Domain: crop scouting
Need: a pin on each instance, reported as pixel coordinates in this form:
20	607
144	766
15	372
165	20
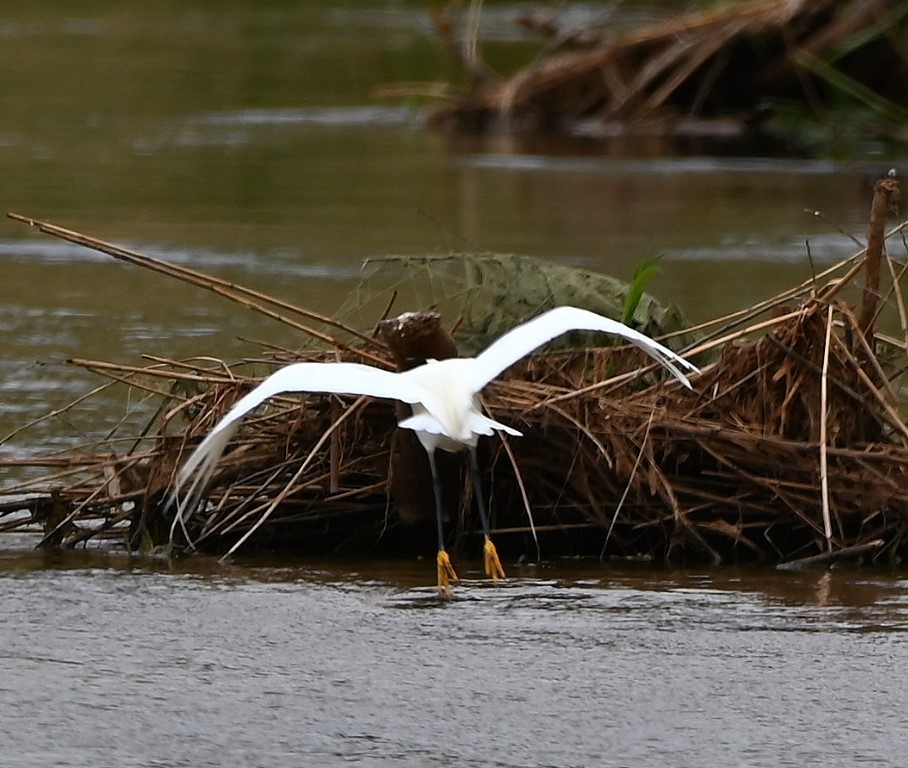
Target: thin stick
334	450
827	558
872	388
545	528
110	369
56	412
872	361
836	227
899	301
627	487
187	365
290	487
251	299
824	479
523	494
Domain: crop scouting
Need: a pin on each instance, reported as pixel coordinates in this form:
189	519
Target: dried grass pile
792	444
727	68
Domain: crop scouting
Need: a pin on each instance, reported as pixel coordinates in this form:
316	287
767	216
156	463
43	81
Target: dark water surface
245	139
109	662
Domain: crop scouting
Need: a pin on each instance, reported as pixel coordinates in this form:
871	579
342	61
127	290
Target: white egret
443	394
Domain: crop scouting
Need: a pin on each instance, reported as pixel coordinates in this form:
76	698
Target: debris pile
723	71
792	444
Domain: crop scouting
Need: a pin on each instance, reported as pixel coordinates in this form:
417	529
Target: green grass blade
645	272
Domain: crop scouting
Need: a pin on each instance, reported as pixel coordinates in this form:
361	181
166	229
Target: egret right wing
522	340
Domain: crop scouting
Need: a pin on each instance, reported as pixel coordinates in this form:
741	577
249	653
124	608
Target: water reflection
847	595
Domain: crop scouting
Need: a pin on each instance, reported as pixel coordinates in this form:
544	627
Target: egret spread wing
523	339
337	378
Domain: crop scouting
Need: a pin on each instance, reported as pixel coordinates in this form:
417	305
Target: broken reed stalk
251	299
824	467
899	300
886	193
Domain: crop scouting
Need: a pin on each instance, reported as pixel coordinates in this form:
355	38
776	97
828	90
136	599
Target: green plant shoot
645	272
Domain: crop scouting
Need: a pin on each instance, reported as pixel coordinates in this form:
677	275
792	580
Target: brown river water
247	140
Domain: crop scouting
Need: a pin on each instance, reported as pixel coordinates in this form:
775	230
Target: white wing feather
523	339
336	378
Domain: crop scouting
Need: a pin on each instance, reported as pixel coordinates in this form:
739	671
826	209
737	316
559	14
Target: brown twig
251	299
885	199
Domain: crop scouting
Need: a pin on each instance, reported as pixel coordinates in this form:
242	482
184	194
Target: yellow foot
445	573
493	564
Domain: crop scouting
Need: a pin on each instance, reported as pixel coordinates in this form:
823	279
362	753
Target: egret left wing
337	378
523	339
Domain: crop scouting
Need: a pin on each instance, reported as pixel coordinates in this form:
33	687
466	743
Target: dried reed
791	446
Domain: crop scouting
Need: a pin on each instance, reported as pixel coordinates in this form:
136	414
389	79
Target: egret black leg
492	563
446	572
